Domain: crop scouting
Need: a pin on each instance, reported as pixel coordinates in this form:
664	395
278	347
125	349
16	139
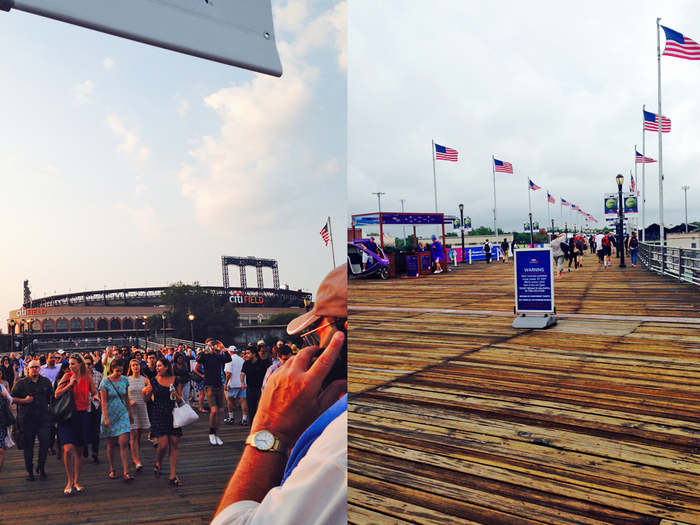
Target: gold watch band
277	445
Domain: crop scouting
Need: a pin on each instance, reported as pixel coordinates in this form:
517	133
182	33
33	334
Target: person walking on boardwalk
486	250
633	248
437	253
116	417
76	433
137	383
95	411
504	250
606	243
32	395
5	440
214	358
558	254
165	390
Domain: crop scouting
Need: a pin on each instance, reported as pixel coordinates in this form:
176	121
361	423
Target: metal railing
681	263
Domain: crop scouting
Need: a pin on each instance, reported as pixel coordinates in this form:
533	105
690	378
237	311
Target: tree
214	316
481	230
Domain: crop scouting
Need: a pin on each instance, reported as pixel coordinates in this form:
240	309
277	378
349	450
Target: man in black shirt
213	359
252	375
32	394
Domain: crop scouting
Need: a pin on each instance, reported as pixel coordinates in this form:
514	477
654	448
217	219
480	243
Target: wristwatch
266	442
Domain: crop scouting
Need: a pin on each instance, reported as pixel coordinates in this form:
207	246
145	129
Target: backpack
487	248
606	241
565	248
634	242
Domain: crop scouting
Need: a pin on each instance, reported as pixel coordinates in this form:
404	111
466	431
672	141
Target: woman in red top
76	432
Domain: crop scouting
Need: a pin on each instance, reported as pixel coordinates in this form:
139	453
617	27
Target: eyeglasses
30	367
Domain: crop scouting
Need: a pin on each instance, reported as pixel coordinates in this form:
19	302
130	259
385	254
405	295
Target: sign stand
534	288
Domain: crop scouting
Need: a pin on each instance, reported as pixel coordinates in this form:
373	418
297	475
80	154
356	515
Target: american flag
574	207
503	167
633	186
651	122
443	153
564	203
680	46
550	198
641	159
533	186
325	233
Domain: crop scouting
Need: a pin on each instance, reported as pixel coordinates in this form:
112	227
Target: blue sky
125	165
555	88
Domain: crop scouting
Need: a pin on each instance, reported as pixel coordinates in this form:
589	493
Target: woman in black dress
8	372
164	389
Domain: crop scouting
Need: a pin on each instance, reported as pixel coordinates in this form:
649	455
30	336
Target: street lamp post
685	190
12	335
145	330
620	217
191	318
164	317
550	237
461	226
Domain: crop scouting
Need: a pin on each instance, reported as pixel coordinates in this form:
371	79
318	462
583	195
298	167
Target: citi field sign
24	312
241	298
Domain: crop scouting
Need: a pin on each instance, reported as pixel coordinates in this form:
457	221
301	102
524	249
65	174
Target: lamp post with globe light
620	218
191	318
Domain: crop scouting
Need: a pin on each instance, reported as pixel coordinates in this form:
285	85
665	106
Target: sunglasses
311	338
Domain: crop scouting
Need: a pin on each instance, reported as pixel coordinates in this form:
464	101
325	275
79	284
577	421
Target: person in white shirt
234	388
303	408
50	370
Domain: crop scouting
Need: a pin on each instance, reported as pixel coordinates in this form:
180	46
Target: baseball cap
261	343
331	301
61	351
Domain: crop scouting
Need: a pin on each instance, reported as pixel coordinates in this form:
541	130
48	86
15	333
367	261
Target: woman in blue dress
116	416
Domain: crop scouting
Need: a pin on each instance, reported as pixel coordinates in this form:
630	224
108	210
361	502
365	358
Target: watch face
264	440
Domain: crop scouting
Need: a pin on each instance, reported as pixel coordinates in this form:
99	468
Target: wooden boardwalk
204	470
456	417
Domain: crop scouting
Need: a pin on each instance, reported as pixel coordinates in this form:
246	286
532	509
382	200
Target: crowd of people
122	394
293	468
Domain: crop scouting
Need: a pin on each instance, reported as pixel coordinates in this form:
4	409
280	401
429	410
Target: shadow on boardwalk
456	417
204	470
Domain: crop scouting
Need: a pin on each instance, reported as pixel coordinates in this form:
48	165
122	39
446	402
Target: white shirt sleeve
315	493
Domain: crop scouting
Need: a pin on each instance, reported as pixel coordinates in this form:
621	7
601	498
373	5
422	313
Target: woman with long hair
165	390
181	369
116	416
8	372
75	434
137	383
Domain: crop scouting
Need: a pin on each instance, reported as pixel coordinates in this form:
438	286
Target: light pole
12	335
620	217
685	190
164	317
461	226
404	228
191	318
145	331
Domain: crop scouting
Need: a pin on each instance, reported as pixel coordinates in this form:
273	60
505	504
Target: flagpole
561	212
644	188
661	157
495	208
330	234
434	176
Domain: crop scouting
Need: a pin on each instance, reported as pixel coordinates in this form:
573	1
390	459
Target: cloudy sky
127	165
555	88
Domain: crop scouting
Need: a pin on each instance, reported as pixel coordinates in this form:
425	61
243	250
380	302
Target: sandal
176	482
139	467
113	474
156	470
128	477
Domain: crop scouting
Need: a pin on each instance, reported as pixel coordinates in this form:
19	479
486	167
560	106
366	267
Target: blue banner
534	278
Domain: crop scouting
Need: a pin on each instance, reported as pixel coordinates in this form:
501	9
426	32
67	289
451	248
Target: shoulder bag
10	419
183	414
63	408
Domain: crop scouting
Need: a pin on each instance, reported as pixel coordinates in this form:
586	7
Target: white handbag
183	415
